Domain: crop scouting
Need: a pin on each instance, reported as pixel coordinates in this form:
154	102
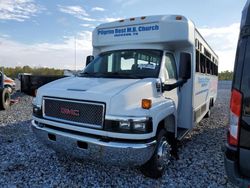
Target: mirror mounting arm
169	87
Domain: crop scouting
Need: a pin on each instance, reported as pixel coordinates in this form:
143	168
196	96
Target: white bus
149	82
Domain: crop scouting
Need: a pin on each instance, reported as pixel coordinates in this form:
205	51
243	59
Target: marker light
121	20
178	17
146	103
143	17
132	19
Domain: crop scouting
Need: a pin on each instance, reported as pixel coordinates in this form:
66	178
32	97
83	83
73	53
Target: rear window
245	82
239	63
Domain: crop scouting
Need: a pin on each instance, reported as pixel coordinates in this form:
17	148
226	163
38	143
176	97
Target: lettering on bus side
106	32
128	31
148	28
203	81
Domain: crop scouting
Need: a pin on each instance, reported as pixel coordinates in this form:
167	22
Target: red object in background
14	101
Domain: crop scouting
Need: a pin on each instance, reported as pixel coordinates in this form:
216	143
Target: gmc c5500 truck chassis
149	81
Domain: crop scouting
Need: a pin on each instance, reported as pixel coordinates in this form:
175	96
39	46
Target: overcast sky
42	33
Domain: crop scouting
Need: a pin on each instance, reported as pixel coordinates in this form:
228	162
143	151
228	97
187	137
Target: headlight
37	111
129	126
125	125
138	126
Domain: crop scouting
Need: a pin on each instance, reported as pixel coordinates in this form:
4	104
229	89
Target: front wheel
10	89
155	167
4	99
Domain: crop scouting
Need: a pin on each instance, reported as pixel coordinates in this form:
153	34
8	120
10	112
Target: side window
126	64
170	66
238	66
197	61
203	63
208	66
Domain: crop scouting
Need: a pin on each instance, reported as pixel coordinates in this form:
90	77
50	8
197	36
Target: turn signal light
235	103
235	113
146	103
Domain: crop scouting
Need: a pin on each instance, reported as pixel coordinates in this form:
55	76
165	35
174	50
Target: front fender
161	111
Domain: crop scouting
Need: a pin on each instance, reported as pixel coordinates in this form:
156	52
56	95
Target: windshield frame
126	73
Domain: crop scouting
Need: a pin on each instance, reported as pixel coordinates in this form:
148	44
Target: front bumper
231	167
94	149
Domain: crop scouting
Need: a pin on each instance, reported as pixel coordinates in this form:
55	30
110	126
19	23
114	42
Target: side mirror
89	59
185	66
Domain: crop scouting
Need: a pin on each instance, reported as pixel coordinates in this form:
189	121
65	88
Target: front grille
74	112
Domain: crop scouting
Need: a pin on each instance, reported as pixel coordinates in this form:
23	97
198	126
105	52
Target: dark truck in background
237	150
30	83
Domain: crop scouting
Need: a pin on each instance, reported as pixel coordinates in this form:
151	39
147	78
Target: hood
85	88
121	96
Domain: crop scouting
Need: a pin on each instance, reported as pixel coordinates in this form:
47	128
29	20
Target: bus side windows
206	65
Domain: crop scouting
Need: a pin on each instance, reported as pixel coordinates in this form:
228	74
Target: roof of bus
143	20
112	32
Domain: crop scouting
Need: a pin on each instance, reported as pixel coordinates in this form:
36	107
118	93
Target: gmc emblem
71	112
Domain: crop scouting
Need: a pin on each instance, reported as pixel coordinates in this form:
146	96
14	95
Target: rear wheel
4	99
155	167
208	114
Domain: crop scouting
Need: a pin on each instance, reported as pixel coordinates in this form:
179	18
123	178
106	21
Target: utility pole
75	55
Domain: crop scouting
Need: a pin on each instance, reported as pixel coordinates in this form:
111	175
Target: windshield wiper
90	74
110	75
121	75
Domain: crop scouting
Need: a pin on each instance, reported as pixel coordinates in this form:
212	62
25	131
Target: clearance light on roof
178	17
143	17
132	19
121	20
235	112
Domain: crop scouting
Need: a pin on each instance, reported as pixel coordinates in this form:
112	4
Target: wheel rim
163	153
6	99
9	89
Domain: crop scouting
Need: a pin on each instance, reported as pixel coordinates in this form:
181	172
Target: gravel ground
25	162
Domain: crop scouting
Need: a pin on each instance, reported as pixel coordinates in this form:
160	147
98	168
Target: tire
155	167
208	114
11	91
4	99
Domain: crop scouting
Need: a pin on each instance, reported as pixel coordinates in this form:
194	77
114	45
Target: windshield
125	64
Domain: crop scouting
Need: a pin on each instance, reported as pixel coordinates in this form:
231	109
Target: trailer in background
30	83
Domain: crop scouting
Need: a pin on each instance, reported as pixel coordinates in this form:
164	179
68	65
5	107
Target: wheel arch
168	123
